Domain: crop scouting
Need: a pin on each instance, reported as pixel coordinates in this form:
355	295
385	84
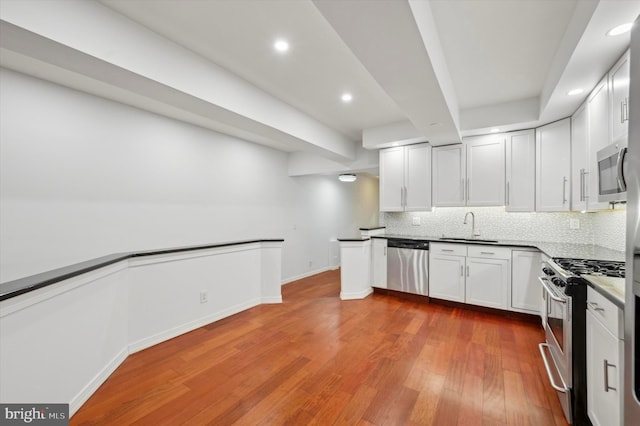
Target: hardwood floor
317	360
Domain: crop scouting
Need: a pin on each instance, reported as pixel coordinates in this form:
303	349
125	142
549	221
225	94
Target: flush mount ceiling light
575	92
346	97
281	45
620	29
347	177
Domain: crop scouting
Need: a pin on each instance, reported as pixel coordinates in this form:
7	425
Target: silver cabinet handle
446	250
564	189
487	252
562	388
468	190
622	111
581	184
385	251
607	388
467	270
507	193
461	271
626	109
594	306
462	192
549	292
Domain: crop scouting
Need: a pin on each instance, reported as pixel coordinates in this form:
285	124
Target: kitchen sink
468	240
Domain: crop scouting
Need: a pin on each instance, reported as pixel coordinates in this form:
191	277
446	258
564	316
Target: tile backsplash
603	228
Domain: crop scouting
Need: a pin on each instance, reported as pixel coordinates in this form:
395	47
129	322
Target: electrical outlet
204	296
310	263
416	220
574	223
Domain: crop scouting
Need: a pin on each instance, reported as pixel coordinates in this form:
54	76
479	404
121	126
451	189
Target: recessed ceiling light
346	97
495	130
281	45
620	29
574	92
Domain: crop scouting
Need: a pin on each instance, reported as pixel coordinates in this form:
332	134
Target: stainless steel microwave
611	182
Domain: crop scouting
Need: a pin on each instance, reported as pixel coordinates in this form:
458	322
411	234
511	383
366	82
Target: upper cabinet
520	171
485	170
449	176
598	112
619	86
470	174
579	156
553	166
405	178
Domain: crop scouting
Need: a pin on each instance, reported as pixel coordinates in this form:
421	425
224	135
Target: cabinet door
485	170
446	277
391	179
379	263
418	177
619	81
604	374
579	167
520	171
488	282
448	176
598	111
525	288
553	164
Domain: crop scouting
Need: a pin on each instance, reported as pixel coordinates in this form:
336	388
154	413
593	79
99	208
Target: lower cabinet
479	275
525	289
446	276
379	263
604	361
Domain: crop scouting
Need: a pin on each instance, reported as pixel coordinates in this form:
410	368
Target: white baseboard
93	385
307	274
271	300
190	326
356	295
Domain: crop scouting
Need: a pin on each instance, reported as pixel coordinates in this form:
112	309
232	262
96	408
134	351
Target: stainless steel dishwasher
408	266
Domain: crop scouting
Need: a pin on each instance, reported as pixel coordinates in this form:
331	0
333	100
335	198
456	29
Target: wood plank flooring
317	360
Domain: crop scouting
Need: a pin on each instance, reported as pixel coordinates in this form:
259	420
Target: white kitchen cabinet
525	288
449	175
579	155
604	361
599	137
405	178
619	85
470	174
553	166
520	171
478	275
485	170
447	268
379	263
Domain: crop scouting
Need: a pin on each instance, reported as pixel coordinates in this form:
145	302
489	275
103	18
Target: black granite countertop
24	285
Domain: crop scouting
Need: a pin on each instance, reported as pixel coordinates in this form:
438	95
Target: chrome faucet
473	224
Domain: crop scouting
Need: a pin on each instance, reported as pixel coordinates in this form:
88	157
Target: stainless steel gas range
564	321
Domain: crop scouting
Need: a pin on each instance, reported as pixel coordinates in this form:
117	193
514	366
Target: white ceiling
445	68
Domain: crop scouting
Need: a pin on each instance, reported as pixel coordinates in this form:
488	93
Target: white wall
82	176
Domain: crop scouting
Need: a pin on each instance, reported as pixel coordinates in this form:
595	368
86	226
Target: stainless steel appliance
632	288
564	349
612	184
408	266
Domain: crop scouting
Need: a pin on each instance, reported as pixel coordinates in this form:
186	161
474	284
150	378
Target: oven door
556	351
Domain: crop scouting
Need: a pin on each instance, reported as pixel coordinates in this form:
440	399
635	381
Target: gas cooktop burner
591	267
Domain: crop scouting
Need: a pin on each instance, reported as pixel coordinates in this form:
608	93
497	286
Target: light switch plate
416	220
574	223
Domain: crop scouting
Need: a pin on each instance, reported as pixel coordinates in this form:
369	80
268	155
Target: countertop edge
30	283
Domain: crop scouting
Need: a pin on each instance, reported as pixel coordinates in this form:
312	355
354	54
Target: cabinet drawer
490	252
451	249
606	312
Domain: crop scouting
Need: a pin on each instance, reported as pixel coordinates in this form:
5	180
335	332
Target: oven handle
562	388
548	290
